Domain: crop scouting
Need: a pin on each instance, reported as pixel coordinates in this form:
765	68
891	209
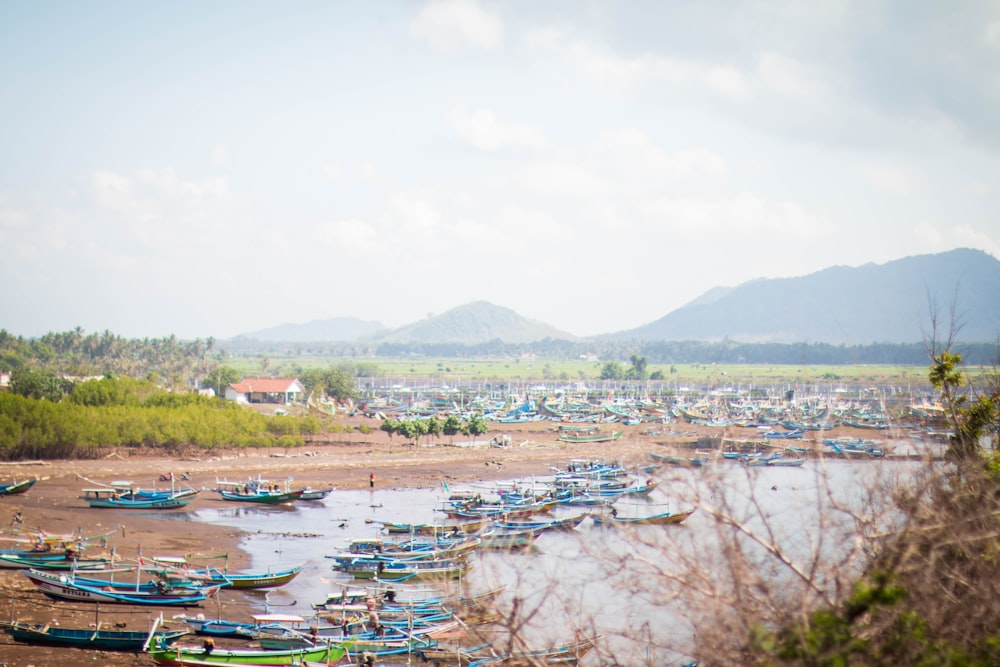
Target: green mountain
476	322
874	303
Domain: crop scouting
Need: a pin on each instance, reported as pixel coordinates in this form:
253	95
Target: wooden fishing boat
663	518
213	576
63	586
686	461
565	654
567	523
14	488
388	598
600	437
90	638
402	571
124	495
786	462
485	655
181	656
509	539
434	528
314	494
250	580
257	490
60	561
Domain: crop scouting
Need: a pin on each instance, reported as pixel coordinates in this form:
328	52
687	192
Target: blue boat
89	638
123	495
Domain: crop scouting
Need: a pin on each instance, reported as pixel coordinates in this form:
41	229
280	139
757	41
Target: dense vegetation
131	413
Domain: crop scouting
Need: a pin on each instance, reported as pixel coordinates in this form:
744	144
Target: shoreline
53	504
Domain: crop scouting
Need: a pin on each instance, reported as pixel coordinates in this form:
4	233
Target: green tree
477	426
612	370
638	371
32	382
433	427
391	428
452	425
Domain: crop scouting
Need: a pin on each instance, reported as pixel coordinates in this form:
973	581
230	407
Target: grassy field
552	371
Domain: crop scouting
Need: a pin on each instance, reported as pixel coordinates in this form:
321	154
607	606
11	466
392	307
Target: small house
266	390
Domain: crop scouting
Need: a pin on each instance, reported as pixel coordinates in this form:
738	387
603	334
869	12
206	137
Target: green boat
182	656
600	437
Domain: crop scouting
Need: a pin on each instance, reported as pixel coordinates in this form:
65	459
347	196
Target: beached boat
14	488
187	656
60	560
124	495
486	656
402	571
97	638
63	586
663	518
256	490
687	461
213	576
314	494
786	463
458	527
496	538
599	437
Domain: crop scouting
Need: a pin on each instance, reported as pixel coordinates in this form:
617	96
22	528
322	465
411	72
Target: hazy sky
213	167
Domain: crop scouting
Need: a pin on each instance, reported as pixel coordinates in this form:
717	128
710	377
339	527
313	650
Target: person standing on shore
371	480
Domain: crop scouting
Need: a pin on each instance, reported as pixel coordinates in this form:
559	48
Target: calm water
572	579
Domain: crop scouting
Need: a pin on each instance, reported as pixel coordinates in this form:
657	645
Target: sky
208	168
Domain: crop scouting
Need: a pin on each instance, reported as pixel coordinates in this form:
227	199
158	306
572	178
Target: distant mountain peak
473	323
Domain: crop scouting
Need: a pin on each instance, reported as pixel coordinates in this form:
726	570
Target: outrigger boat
61	561
181	656
63	586
125	495
15	488
257	490
213	576
663	518
91	638
434	528
315	494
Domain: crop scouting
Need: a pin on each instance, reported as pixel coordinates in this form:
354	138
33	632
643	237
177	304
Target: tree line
124	412
656	352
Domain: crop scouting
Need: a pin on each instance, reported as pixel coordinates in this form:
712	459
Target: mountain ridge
893	302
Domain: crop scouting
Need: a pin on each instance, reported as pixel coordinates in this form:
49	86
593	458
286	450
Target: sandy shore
53	504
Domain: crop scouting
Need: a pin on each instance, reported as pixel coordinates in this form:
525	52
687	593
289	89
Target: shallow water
564	577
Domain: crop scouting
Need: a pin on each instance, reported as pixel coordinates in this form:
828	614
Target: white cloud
369	172
979	188
617	72
993	32
332	172
482	129
220	155
353	235
743	216
450	26
887	179
790	77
